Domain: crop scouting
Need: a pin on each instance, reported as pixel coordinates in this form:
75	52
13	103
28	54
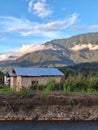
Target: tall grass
5	90
73	83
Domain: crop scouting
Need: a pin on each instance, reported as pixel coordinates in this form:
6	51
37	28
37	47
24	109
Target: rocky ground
48	106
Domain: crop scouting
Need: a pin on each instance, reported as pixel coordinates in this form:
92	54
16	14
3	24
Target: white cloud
3	57
23	50
93	27
39	8
84	46
28	48
11	24
26	27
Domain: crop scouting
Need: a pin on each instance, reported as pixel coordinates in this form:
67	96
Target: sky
29	22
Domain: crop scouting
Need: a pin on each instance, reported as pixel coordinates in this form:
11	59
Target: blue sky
27	22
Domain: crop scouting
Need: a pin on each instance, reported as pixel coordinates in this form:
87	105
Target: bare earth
48	106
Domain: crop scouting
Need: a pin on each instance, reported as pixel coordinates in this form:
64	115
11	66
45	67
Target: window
34	82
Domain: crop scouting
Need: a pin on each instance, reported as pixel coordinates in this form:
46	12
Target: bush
25	91
93	84
50	86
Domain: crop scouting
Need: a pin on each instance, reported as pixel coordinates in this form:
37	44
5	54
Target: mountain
60	52
82	67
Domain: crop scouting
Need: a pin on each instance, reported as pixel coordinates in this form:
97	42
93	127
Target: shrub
93	83
45	95
25	91
50	86
34	86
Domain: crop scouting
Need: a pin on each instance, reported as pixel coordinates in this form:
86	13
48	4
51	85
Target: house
25	77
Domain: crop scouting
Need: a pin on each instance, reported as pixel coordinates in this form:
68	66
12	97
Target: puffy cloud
40	8
23	50
29	48
3	57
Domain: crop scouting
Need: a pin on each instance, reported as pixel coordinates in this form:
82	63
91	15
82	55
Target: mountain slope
76	49
78	39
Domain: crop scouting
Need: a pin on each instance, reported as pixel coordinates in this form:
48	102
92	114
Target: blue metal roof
10	74
38	72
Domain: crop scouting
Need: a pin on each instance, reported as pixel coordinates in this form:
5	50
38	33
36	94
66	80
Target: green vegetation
84	82
25	91
5	90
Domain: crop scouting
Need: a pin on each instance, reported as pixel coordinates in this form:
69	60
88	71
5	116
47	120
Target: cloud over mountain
23	50
84	46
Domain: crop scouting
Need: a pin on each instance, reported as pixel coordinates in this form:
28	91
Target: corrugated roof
38	72
10	74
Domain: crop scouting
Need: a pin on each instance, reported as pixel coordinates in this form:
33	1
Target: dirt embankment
52	106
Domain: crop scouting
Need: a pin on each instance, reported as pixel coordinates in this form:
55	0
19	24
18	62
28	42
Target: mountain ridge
60	52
